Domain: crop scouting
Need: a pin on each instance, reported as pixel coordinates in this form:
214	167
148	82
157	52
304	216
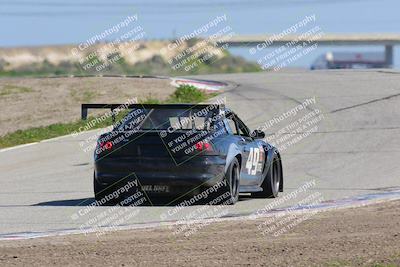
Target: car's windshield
162	119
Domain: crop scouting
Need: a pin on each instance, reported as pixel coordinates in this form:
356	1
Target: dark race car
183	150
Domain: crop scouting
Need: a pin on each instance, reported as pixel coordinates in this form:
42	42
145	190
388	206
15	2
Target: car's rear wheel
271	182
232	178
100	193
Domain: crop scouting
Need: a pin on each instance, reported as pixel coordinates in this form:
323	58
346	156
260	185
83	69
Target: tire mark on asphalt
343	152
338	131
237	91
366	103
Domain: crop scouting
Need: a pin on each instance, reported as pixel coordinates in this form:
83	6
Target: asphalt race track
354	150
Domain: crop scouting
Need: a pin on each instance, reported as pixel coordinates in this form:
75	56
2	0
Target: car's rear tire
100	193
232	178
272	181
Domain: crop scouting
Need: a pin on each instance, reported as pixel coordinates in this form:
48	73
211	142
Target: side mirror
258	134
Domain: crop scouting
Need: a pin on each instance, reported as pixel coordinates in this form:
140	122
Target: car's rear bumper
162	175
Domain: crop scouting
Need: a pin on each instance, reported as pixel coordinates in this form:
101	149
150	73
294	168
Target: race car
183	150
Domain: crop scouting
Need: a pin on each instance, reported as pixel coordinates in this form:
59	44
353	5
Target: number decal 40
253	160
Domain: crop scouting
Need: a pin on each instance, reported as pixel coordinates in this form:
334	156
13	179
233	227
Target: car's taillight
106	145
203	145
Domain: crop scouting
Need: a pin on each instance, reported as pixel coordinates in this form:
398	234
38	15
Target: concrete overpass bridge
386	40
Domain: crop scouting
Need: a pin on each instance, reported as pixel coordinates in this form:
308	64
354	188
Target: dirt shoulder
367	236
35	102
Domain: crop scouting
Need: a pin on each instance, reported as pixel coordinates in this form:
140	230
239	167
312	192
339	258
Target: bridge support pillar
389	55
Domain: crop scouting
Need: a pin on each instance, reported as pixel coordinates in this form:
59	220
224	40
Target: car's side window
243	130
232	125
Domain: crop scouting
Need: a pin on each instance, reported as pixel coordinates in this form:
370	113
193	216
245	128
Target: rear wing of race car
117	107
